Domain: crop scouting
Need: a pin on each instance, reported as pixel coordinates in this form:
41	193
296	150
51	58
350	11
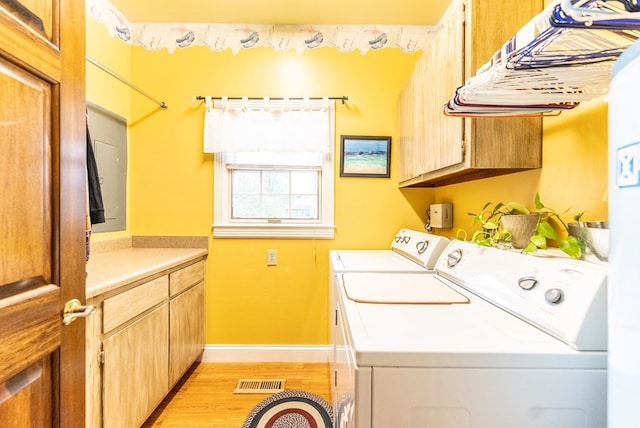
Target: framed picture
365	156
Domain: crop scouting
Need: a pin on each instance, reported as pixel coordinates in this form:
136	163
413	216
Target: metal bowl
593	237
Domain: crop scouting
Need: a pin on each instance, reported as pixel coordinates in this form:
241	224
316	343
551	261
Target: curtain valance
249	125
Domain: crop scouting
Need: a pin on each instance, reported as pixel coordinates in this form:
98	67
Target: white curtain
268	125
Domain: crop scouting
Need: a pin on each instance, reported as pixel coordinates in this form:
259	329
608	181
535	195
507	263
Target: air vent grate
259	386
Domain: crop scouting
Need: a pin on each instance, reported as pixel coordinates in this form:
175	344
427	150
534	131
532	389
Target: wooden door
42	211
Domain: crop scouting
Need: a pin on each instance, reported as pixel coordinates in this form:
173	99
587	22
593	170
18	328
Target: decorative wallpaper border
218	37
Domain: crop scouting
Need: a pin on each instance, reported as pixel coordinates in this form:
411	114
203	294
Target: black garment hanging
96	206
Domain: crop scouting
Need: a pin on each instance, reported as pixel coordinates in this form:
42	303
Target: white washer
507	340
410	251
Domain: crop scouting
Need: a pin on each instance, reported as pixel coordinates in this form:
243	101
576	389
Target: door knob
74	309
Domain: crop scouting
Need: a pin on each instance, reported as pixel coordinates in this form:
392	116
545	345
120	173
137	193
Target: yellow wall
171	189
103	89
573	176
171	179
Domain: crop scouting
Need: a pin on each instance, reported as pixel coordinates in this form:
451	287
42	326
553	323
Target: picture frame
365	156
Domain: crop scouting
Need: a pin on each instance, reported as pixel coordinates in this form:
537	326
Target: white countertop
110	270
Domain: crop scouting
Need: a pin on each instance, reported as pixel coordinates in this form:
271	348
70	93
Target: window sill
274	231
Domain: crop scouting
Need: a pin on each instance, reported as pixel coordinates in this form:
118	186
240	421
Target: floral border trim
218	37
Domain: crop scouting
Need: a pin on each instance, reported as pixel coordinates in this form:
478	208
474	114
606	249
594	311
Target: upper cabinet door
445	59
428	140
437	150
42	211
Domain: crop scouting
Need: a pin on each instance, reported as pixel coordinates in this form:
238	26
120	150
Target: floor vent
259	386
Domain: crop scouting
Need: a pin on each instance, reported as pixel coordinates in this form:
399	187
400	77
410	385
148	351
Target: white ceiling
282	12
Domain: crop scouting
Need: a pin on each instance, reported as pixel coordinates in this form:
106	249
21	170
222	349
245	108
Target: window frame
226	227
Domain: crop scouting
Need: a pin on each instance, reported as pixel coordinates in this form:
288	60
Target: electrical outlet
272	257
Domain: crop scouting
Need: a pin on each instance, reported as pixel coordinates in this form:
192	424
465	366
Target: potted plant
530	233
492	233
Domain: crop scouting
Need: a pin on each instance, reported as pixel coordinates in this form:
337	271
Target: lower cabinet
134	372
187	332
140	342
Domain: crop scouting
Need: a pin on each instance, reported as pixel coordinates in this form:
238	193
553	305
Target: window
274	168
275	186
286	195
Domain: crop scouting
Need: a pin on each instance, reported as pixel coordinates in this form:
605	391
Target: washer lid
399	289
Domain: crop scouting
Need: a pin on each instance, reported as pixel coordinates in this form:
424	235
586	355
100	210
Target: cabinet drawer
185	277
124	306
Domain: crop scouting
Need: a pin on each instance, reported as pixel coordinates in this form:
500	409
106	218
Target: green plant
492	234
544	230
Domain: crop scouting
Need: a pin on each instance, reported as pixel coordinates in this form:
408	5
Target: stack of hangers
561	57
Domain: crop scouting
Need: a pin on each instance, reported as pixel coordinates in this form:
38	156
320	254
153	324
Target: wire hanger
590	11
553	63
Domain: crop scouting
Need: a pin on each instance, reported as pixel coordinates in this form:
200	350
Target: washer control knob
527	282
553	296
422	246
454	257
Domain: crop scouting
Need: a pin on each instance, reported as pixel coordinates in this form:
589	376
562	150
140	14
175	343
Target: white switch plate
272	257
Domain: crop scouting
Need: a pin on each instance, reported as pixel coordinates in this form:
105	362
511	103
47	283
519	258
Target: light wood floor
205	398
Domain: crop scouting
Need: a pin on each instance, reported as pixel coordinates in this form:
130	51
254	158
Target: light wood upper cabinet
435	149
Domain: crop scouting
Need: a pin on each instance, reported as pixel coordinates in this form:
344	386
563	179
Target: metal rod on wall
342	98
162	104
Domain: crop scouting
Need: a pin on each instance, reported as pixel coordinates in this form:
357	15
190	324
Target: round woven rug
291	409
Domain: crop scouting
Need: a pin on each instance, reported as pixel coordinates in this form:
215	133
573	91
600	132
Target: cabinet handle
74	309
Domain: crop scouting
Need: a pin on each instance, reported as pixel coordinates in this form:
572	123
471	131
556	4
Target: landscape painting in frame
365	156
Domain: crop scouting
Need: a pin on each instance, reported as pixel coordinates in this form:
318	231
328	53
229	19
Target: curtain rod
343	98
162	104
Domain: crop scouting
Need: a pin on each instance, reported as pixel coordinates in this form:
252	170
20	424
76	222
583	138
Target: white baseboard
267	353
